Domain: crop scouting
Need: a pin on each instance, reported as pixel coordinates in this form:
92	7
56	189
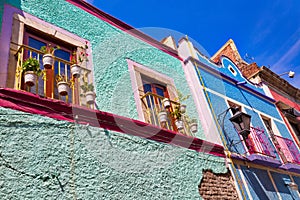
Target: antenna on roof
248	58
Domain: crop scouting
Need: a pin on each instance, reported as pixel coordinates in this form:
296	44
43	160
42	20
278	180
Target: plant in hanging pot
166	103
193	125
75	68
177	115
31	67
162	116
181	99
62	84
48	57
77	61
88	92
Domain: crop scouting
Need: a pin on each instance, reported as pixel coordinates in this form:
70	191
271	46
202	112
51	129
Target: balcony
45	85
289	150
259	143
152	105
260	148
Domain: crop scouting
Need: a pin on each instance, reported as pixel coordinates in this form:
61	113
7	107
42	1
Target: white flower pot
194	127
179	124
63	88
166	102
75	70
48	61
182	108
30	78
163	116
90	97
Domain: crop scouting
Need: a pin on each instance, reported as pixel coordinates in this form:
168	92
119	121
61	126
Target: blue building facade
265	163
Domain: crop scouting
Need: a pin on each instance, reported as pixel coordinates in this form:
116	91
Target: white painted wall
208	124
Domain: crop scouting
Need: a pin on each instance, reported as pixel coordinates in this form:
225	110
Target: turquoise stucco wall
106	166
117	166
110	48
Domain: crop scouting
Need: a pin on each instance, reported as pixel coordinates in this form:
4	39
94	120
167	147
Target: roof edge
227	78
123	26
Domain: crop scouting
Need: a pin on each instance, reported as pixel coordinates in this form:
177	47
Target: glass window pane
34	43
160	91
147	88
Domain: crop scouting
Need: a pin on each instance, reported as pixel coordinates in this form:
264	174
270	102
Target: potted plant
88	92
76	63
48	57
31	67
193	126
166	103
163	116
181	99
75	68
177	115
182	108
62	84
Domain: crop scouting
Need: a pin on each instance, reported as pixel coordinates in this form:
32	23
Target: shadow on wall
4	22
259	183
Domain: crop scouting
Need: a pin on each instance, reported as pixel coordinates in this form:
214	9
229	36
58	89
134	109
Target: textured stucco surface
106	166
113	166
110	48
231	91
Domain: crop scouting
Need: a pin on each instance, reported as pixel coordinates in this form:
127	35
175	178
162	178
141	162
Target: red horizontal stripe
31	103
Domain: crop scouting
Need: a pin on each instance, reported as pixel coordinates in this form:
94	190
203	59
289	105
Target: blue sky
268	31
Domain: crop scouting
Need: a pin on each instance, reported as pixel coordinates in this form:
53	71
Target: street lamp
290	73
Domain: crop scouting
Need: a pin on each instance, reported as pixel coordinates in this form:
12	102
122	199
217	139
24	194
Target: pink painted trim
134	67
7	20
123	26
31	103
135	88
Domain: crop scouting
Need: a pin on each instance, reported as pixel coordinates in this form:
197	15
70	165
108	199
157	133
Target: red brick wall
227	51
217	186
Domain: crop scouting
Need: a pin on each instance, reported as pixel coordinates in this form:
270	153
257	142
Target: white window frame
136	71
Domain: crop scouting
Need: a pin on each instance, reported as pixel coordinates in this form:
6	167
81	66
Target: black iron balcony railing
152	106
46	85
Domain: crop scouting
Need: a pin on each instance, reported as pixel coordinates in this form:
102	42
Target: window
292	116
29	34
267	123
286	147
147	80
36	40
257	141
150	88
233	105
296	129
152	102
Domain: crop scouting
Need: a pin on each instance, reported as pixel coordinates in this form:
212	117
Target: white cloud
289	55
90	1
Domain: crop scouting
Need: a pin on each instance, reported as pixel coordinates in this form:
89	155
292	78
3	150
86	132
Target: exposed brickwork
217	186
227	51
248	70
231	52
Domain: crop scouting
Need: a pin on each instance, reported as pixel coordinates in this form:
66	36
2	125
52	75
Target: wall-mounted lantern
241	122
